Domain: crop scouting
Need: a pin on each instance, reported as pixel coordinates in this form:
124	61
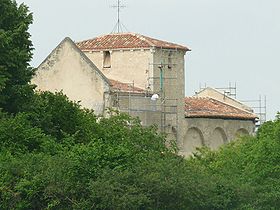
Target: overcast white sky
231	40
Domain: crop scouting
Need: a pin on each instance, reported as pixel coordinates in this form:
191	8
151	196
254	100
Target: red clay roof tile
209	107
125	87
125	41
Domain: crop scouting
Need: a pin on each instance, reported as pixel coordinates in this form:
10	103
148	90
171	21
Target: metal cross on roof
118	25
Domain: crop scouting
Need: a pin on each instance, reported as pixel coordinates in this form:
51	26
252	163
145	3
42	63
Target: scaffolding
230	91
258	106
161	110
166	81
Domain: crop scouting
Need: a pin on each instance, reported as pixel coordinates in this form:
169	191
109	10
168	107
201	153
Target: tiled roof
209	107
125	41
125	87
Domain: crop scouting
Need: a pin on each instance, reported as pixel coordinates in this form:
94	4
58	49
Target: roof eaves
220	117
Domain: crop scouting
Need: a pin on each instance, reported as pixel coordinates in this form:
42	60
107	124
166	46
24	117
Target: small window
106	59
169	62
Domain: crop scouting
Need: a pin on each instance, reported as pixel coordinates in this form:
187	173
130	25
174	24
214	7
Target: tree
252	164
55	155
59	117
17	135
120	165
15	55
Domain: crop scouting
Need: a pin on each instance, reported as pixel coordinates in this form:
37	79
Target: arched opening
106	59
241	132
193	139
217	138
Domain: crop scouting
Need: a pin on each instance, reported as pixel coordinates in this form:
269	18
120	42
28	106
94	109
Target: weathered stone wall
141	66
138	105
173	88
126	65
68	71
212	132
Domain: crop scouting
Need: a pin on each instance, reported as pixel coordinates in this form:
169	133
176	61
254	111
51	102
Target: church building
144	77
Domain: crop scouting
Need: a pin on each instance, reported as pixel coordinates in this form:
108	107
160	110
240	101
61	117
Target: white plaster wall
65	69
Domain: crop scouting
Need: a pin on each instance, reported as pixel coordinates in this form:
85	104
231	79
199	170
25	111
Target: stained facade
145	78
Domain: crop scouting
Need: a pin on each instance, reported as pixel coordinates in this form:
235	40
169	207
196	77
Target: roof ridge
142	37
229	97
243	110
168	42
111	34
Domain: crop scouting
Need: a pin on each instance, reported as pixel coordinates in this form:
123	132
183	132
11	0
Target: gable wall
65	69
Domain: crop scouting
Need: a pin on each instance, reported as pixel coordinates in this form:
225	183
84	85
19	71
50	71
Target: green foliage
85	162
17	135
252	164
59	117
55	155
15	55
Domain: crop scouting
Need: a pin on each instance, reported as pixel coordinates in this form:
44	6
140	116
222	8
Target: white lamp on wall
154	97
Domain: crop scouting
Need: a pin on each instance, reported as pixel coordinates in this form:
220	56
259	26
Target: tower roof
126	41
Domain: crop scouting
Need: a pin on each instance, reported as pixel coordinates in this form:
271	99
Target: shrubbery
55	155
90	163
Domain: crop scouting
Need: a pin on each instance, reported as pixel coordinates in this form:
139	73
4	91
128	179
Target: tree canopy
56	155
15	55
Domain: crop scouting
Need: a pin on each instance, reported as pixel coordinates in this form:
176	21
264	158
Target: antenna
118	25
